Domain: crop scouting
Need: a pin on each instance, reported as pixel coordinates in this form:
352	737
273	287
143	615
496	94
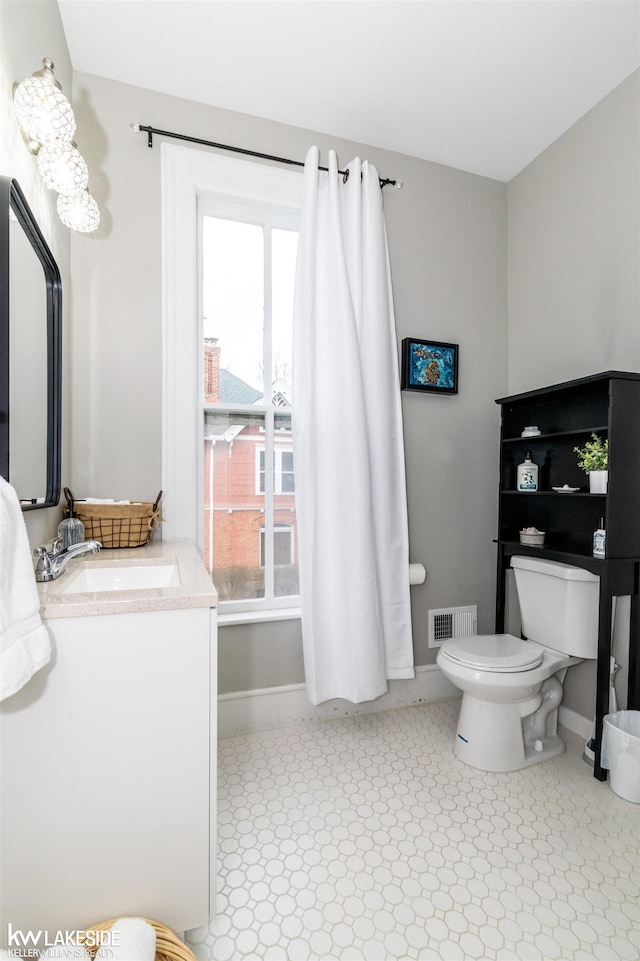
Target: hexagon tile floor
365	838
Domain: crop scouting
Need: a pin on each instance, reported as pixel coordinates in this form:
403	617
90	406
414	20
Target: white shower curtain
348	443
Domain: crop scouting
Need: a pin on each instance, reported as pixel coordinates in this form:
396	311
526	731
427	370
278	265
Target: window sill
255	617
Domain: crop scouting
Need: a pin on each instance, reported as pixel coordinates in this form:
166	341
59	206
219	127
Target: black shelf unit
567	414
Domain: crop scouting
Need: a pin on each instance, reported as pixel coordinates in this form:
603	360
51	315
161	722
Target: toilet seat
497	653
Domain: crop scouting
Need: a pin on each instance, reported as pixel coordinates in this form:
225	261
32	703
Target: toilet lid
494	652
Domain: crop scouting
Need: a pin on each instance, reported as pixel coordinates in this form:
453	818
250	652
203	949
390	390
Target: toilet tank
558	605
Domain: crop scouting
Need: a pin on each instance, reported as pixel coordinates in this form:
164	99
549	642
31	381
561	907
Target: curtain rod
150	131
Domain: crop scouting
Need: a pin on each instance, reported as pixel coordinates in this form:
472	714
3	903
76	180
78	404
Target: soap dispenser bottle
599	540
71	529
527	474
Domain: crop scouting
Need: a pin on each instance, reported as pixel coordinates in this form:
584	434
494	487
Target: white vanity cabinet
108	772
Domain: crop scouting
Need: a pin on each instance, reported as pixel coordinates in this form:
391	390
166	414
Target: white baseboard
246	712
575	722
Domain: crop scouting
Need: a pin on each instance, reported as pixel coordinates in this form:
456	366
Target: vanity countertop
194	590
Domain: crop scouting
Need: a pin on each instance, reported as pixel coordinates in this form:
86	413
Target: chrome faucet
51	564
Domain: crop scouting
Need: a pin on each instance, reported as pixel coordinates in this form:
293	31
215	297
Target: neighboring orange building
234	483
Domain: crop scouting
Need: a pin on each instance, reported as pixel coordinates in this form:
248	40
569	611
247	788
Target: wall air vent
452	622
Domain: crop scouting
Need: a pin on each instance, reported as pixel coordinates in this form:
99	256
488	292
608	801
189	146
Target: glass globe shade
63	167
43	111
79	212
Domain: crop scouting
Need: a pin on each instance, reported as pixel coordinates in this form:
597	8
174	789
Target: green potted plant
593	459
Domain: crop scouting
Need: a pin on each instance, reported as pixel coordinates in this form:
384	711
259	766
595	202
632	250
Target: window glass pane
287	485
284	246
233	511
282	545
285	548
233	310
250	536
286	583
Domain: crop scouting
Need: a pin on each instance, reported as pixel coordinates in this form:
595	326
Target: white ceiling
483	85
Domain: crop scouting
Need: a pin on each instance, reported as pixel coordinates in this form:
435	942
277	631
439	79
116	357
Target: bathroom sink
126	578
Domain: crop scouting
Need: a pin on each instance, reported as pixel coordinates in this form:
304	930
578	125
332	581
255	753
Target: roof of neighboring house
226	432
236	391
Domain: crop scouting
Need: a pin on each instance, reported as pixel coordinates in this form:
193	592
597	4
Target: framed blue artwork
429	366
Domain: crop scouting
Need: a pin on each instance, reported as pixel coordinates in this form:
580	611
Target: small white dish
530	432
532	536
565	489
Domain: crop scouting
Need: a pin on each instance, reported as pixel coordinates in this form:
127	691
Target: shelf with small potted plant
593	459
579	422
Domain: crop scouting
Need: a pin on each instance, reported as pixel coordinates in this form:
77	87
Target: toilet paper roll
417	574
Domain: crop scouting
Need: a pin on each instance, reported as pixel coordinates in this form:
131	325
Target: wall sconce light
79	211
47	123
62	167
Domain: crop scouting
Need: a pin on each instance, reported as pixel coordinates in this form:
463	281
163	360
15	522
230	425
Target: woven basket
117	525
169	947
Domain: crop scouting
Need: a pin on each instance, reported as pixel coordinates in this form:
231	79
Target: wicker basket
117	525
169	947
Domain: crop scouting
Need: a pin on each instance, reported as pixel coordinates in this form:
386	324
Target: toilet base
490	737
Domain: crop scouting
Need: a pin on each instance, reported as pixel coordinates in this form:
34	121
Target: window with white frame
228	253
283	476
247	272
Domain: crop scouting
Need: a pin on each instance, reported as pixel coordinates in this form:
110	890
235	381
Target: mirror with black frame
30	354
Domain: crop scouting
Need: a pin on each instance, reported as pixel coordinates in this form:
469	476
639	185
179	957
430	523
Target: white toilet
511	688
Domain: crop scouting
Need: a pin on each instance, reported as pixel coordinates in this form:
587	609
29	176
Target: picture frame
429	366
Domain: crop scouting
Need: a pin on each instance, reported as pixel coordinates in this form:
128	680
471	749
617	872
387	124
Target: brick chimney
211	370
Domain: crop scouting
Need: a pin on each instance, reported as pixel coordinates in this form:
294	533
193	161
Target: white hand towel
130	939
24	641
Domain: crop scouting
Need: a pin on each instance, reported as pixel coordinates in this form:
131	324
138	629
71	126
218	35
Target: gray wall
29	32
574	273
574	250
447	234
